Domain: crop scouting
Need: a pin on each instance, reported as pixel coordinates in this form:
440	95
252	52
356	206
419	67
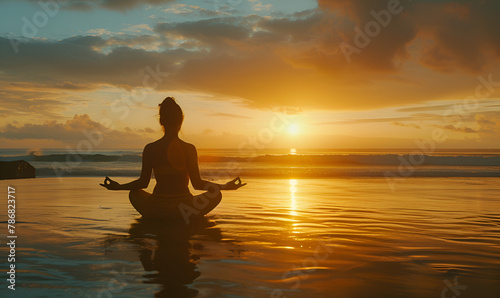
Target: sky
260	73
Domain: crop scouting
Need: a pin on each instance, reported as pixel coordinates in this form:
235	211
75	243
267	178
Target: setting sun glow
293	129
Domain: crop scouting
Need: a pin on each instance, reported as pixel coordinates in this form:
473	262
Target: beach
335	237
356	145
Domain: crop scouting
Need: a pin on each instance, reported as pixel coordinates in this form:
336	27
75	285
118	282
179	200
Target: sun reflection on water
293	190
293	206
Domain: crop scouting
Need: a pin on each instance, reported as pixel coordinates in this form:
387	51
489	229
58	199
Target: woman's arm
140	183
200	184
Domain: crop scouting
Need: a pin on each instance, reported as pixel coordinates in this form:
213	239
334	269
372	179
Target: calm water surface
431	237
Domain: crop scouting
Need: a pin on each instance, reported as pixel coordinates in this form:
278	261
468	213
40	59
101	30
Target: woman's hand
233	184
110	184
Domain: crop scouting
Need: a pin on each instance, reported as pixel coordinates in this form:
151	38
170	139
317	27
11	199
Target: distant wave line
292	160
288	172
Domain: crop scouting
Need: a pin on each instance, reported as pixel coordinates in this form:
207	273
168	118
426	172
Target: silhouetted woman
174	162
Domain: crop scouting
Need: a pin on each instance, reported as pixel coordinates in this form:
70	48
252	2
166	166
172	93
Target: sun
293	129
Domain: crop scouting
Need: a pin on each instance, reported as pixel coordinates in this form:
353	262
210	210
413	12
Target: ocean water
274	163
330	237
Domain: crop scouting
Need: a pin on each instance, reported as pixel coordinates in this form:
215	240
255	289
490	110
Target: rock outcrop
18	169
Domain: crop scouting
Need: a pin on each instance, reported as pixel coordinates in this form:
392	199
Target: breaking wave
293	160
278	166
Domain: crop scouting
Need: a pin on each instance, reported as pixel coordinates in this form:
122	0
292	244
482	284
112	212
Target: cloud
413	125
120	5
99	32
393	120
57	85
32	101
488	124
427	108
230	116
289	110
257	5
210	31
79	60
71	130
129	4
458	35
459	129
137	28
292	61
76	130
145	42
301	60
483	121
190	10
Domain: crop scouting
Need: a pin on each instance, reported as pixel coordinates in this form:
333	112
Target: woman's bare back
169	161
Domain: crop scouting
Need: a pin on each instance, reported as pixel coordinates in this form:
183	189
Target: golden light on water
293	190
293	151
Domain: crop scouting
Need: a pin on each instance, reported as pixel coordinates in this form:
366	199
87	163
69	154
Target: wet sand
272	238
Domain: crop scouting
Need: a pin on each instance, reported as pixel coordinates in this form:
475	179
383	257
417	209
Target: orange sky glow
327	73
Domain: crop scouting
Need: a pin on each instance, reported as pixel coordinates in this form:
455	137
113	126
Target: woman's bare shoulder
152	146
188	147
